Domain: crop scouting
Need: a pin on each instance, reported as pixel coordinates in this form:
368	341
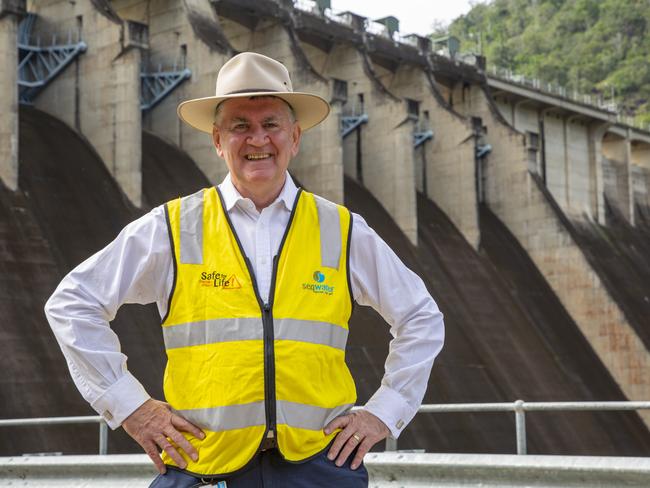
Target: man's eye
240	127
270	125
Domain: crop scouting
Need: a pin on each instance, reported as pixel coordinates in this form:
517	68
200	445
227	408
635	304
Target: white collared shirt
137	267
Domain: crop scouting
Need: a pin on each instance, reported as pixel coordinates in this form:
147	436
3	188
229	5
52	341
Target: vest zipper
269	359
269	367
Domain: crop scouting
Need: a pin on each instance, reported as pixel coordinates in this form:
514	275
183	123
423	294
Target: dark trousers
269	470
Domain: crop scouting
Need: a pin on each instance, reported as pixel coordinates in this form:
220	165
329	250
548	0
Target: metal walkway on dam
507	334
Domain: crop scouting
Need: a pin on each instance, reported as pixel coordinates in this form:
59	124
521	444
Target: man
255	281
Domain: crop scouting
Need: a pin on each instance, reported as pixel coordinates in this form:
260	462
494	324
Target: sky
415	16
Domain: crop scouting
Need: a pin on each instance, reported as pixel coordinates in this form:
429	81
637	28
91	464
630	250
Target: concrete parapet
99	95
385	469
502	470
519	198
446	166
9	17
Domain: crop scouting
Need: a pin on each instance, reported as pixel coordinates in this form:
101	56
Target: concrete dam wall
525	214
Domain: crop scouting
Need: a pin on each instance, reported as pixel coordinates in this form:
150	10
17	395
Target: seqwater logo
319	286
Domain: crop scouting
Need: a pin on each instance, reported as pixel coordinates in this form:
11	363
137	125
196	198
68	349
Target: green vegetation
599	47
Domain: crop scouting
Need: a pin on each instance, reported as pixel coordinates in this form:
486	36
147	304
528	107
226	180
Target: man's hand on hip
360	429
154	425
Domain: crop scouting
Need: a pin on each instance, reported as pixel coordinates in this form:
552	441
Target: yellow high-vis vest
238	367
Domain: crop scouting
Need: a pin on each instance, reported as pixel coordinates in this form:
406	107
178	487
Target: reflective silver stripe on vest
211	331
228	417
191	216
245	329
322	333
330	232
307	416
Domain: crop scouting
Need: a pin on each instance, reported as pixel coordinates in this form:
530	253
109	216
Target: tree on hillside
591	46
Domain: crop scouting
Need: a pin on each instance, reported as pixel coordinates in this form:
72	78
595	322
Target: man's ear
296	134
216	140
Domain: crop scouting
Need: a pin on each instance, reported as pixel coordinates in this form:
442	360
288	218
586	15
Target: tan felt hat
250	74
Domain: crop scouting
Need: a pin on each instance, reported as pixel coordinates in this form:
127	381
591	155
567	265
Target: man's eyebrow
238	119
270	118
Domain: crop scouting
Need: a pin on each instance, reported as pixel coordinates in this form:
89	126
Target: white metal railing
598	101
553	88
93	419
307	6
377	29
519	407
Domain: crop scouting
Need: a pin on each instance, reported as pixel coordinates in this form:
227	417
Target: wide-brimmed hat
253	74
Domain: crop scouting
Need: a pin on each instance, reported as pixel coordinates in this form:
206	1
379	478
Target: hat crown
252	72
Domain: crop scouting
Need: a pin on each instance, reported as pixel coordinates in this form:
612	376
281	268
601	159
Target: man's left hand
361	430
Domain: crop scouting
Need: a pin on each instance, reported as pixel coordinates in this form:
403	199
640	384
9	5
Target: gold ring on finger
356	436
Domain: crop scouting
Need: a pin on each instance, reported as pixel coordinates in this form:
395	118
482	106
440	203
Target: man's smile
256	156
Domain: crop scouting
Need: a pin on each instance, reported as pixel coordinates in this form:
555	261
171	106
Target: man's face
257	138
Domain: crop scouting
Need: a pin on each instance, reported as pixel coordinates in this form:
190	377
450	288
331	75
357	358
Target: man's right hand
154	424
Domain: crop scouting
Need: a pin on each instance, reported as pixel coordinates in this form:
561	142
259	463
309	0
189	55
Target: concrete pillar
641	178
629	207
567	162
386	150
10	13
526	207
616	148
554	154
99	94
127	125
597	188
449	158
319	164
186	34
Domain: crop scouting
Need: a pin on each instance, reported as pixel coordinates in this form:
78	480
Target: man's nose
258	136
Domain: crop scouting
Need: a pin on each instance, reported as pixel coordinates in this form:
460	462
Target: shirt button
107	415
400	423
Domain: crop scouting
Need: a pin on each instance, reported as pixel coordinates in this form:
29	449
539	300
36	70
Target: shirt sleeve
380	279
135	268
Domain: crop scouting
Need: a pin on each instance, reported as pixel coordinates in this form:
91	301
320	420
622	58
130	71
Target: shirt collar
231	196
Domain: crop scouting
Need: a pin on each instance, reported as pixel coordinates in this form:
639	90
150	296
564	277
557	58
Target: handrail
519	407
103	427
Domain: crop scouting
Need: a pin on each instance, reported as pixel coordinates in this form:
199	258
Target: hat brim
310	109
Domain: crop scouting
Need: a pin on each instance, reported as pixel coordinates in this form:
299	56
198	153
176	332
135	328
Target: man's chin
261	176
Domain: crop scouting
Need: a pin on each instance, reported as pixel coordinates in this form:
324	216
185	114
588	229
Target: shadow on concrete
68	207
568	354
168	172
620	255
